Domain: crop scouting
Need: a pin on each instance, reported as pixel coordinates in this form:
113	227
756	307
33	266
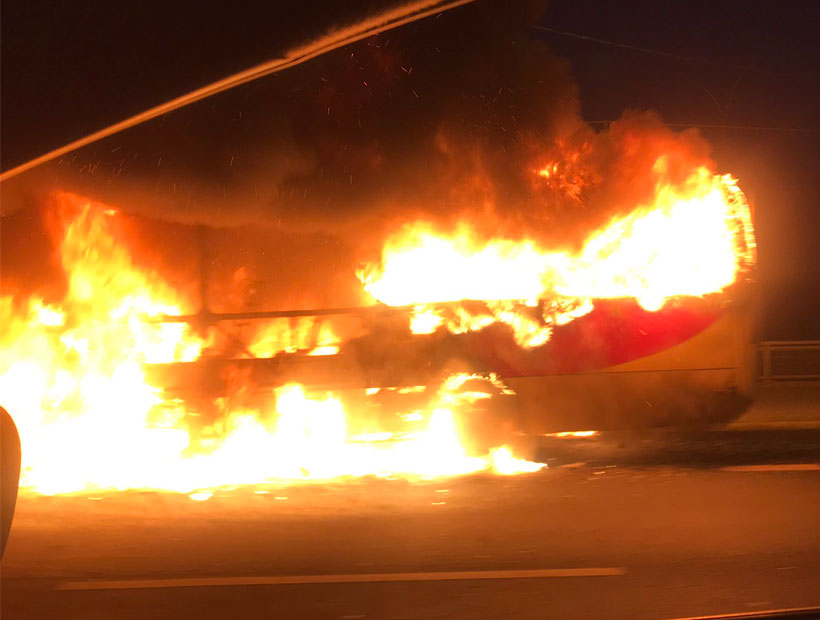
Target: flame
72	372
695	238
421	266
72	375
573	434
292	335
691	242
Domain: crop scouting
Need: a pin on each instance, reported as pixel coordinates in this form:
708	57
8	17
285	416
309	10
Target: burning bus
395	289
631	332
469	343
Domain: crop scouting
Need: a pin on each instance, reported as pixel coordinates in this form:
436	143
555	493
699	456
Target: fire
421	266
290	336
72	375
693	240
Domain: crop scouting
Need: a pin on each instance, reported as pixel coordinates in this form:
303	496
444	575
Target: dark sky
745	72
753	64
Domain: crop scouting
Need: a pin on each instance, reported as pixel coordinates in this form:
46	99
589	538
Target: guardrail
789	360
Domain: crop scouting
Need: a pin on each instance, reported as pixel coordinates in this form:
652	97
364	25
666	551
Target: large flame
72	373
692	240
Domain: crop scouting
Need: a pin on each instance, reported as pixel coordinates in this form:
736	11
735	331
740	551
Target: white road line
764	613
768	426
192	582
774	467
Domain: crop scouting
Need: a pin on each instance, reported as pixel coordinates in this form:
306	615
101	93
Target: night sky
745	73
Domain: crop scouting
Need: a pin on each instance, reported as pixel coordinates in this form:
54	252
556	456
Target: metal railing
789	360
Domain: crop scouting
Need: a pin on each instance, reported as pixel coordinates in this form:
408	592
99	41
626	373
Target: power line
387	20
656	52
726	126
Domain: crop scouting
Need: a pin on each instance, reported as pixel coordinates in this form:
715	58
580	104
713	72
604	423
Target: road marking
800	425
192	582
774	467
759	615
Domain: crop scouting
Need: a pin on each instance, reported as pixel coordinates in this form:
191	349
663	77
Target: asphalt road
604	542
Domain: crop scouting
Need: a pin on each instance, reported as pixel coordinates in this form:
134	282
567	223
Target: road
606	542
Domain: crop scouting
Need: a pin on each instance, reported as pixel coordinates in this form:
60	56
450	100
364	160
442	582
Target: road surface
577	541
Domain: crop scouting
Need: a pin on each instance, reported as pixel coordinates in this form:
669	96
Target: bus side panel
707	379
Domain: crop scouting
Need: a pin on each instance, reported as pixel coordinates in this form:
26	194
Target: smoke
464	116
404	120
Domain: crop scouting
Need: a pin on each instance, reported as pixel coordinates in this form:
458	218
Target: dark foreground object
9	474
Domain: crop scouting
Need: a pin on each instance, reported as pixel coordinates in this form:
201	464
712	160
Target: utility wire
648	50
387	20
725	126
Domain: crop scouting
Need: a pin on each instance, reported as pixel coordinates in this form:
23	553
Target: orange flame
72	376
693	240
72	373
